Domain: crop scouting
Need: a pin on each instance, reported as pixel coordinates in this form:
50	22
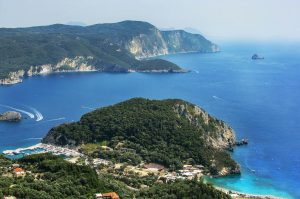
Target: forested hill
115	47
168	132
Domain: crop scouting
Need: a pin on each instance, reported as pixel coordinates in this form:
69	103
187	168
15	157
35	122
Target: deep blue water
259	99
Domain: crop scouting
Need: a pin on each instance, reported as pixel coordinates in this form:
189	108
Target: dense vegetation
50	177
21	48
151	129
189	189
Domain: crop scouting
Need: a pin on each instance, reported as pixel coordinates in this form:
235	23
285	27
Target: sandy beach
240	195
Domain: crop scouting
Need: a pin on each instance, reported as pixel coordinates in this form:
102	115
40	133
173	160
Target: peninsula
171	133
116	47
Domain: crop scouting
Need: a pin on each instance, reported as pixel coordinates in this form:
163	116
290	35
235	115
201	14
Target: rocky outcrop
229	171
158	42
10	116
13	78
179	41
76	64
148	45
218	133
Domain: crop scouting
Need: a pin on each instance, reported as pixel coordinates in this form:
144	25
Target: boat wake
56	119
38	114
31	115
217	98
33	138
90	108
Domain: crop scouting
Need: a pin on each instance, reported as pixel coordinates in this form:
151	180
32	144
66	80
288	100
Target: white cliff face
155	44
144	46
13	78
76	64
79	63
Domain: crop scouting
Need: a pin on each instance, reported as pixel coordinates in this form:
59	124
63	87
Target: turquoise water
259	99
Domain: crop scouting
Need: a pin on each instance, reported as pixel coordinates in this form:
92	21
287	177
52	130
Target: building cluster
188	172
98	161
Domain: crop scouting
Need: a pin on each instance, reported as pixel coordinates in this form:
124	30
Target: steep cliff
153	42
168	132
78	63
216	132
179	41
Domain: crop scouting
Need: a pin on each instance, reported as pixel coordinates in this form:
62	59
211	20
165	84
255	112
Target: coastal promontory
169	132
116	47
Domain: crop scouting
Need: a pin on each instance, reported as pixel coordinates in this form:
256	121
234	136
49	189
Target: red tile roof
18	170
111	195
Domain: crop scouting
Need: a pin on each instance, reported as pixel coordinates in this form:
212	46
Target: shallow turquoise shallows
258	98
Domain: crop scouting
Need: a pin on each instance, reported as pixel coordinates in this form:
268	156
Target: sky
215	19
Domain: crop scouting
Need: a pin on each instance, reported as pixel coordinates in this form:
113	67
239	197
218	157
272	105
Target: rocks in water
11	116
255	56
242	142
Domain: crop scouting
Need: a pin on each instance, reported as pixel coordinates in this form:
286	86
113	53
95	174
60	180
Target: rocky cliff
13	77
217	133
76	64
156	42
179	41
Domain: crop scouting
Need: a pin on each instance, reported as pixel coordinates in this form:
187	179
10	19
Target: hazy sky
216	19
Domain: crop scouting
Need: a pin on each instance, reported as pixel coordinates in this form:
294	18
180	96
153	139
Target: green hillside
168	132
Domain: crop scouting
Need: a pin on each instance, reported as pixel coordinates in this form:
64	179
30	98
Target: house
19	171
110	195
98	161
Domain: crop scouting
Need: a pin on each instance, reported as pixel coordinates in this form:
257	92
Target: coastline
42	148
240	195
12	81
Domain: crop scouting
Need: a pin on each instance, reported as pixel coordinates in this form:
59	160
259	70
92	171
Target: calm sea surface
259	99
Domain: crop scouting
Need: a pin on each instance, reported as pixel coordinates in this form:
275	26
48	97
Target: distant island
256	56
116	47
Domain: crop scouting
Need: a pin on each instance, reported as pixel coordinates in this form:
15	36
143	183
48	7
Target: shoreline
43	148
9	81
237	194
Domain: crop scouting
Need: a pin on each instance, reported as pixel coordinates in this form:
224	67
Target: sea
259	99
